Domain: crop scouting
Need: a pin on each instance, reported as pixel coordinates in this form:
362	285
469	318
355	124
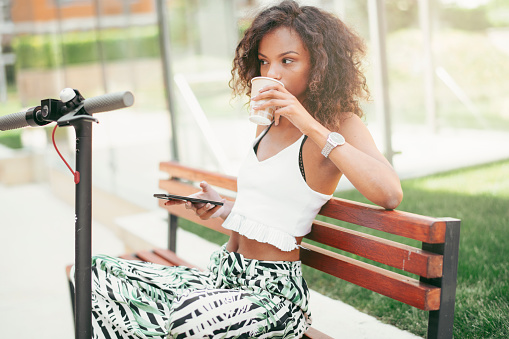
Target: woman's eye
263	62
287	61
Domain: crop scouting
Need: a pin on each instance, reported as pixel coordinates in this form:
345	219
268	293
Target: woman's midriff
252	249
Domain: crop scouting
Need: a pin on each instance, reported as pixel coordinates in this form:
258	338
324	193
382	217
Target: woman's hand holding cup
263	116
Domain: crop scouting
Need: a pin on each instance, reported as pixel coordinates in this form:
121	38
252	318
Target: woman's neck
285	126
285	123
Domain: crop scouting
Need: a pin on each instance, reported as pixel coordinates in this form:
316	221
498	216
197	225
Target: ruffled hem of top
260	232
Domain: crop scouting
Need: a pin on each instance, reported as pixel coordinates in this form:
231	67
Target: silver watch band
327	149
334	139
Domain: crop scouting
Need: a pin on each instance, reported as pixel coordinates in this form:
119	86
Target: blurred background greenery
469	50
99	47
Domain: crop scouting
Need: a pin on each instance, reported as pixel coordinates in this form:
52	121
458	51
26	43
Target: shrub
11	139
46	51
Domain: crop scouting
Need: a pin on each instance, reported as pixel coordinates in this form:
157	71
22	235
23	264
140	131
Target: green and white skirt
235	298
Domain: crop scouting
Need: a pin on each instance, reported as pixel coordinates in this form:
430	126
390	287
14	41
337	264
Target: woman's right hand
204	211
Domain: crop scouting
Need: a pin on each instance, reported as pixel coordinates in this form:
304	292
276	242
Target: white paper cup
265	116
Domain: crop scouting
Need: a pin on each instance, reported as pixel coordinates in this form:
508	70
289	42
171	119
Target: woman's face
284	57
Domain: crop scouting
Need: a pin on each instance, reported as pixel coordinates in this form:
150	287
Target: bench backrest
435	262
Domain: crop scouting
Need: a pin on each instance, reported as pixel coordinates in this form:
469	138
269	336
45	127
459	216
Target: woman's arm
358	159
361	162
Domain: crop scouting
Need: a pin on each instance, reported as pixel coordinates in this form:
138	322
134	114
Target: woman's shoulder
350	123
355	130
349	117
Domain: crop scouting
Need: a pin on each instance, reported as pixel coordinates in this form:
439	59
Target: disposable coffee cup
265	116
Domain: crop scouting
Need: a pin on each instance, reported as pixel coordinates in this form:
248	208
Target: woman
253	286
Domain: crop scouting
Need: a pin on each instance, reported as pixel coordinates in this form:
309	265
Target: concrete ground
37	237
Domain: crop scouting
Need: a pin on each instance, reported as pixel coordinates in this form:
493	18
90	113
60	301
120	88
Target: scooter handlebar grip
13	121
108	102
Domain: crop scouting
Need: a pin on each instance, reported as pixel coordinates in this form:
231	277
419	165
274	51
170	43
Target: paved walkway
37	241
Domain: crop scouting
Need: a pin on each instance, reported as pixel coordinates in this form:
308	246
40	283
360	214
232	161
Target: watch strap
331	144
327	149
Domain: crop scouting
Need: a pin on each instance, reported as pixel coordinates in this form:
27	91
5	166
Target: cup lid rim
256	78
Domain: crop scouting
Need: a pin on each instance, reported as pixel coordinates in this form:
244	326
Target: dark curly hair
336	82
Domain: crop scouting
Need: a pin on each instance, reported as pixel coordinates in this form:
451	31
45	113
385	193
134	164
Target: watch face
337	138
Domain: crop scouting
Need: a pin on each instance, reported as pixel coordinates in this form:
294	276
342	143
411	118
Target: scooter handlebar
108	102
100	103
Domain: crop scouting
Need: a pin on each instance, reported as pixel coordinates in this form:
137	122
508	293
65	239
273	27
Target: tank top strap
301	163
256	142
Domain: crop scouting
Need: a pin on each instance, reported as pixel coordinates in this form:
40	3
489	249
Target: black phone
193	200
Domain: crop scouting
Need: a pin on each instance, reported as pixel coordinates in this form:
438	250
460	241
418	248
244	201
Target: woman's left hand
287	105
204	211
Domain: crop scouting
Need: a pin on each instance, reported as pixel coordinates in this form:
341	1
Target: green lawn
479	196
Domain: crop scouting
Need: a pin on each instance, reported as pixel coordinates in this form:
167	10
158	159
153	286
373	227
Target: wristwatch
333	140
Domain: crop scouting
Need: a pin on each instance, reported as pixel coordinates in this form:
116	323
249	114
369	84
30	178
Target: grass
12	138
479	196
12	105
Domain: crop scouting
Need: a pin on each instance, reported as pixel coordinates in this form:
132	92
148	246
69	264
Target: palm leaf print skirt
234	298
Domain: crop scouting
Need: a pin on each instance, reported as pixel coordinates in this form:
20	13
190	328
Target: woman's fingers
174	202
196	206
271	93
276	87
204	211
205	186
207	211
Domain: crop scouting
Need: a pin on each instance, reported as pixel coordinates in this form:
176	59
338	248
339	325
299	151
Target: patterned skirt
234	298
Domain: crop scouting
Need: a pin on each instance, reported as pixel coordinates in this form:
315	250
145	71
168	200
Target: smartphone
193	200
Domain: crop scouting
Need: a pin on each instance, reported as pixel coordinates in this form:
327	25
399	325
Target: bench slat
394	285
128	257
183	188
387	252
173	258
149	256
408	225
181	211
313	333
173	186
197	175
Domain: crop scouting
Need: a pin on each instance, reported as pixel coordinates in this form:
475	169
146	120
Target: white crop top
274	203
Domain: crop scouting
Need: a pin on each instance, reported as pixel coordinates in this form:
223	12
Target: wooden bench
435	262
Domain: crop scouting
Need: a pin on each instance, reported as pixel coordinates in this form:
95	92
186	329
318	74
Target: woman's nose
274	72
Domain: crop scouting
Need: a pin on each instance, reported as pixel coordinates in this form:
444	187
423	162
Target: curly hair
336	82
